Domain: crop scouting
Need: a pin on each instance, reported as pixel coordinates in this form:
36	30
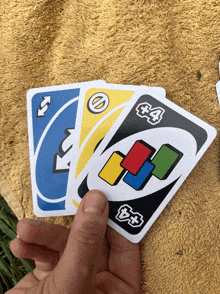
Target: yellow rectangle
95	125
112	169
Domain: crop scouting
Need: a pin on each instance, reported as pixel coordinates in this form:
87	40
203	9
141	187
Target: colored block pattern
139	165
112	171
138	181
137	155
165	161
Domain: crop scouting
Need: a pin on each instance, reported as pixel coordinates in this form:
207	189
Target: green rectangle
163	161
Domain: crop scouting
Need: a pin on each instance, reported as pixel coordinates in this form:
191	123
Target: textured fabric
172	44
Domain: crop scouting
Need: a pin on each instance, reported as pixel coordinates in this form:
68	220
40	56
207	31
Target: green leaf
5	281
5	229
5	272
8	217
13	265
1	289
29	266
4	204
4	268
10	266
3	240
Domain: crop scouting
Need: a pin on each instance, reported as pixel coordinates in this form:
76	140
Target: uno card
143	160
218	87
51	113
97	111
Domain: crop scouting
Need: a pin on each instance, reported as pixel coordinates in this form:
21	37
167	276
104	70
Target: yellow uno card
98	109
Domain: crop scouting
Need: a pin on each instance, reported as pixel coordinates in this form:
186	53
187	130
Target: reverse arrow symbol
61	164
43	106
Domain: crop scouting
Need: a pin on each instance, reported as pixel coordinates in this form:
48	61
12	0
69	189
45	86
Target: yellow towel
172	44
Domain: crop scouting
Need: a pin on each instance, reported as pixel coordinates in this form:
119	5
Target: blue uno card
52	113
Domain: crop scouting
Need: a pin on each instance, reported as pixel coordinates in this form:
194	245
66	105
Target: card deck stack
128	141
218	87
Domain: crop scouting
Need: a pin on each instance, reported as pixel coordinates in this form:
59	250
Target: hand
86	259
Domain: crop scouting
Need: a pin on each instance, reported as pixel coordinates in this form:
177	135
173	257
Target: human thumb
76	269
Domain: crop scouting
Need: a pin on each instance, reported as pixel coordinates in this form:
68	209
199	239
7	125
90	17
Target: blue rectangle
53	124
137	181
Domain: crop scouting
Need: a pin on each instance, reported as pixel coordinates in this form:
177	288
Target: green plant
12	269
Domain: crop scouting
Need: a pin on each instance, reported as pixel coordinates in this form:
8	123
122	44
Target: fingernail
95	202
17	236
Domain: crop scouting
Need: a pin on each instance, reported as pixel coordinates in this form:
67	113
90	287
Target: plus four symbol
134	219
124	210
125	213
144	109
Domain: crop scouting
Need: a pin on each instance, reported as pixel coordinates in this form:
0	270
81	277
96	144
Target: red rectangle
136	157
